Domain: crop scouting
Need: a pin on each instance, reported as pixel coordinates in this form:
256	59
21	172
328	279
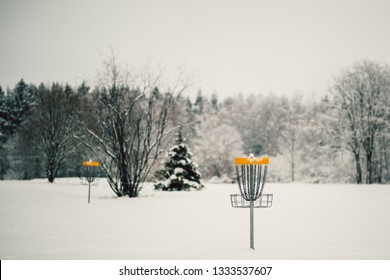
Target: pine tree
180	171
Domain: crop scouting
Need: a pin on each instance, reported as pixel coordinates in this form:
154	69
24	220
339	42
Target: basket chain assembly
251	182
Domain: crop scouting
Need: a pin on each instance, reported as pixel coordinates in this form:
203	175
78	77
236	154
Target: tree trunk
386	163
293	160
216	171
50	177
51	170
125	184
368	145
379	162
358	168
369	167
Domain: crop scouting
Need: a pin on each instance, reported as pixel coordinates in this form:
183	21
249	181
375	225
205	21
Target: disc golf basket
251	174
89	172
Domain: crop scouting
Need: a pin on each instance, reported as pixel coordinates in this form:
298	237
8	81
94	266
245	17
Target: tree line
126	122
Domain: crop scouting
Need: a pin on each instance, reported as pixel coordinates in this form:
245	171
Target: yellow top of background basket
251	160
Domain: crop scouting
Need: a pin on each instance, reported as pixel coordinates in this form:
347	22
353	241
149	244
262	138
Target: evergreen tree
199	103
4	164
180	171
214	102
14	110
83	89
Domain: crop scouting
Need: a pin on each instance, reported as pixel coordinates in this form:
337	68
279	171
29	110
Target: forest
127	121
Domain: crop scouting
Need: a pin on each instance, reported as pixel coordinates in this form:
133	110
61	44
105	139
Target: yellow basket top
251	160
90	163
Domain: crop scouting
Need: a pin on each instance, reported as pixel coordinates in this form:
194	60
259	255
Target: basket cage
88	173
84	181
251	180
263	201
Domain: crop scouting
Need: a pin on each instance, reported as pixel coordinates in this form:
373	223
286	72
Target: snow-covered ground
39	220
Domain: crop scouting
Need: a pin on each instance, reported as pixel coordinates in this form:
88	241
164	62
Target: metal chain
251	180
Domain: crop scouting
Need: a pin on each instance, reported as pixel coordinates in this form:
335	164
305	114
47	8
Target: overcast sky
247	46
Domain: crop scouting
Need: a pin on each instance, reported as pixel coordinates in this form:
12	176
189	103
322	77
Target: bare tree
51	125
132	118
362	96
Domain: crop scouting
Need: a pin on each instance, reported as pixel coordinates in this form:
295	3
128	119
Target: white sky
232	46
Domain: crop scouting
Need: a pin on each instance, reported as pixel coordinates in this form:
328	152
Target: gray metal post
252	229
89	191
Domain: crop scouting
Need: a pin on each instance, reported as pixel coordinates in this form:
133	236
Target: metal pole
89	191
252	235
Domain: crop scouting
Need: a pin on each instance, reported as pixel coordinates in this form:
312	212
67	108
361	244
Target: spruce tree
180	171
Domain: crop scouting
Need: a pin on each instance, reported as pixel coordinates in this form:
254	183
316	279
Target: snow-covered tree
361	96
4	163
291	131
15	108
180	171
217	144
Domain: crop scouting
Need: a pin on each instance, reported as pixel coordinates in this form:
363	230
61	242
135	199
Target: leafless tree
132	120
51	125
362	94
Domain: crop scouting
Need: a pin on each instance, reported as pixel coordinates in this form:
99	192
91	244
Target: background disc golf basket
251	174
89	172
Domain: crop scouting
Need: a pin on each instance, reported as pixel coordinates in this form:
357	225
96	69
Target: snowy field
39	220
